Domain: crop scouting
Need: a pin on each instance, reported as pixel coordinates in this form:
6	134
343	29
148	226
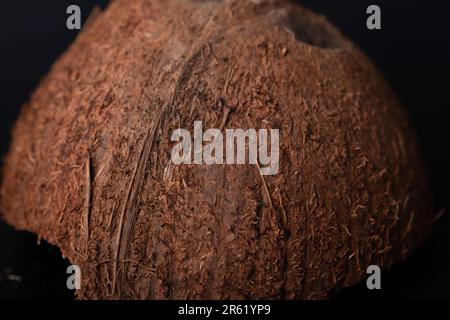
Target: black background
412	51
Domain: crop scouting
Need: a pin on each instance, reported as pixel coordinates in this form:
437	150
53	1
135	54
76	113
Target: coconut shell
89	168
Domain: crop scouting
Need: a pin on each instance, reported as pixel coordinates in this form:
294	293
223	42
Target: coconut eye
315	32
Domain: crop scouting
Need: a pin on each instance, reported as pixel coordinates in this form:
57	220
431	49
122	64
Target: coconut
90	171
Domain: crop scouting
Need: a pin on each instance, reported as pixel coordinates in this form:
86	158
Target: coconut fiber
89	168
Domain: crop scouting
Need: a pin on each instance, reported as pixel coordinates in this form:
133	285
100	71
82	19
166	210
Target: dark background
412	51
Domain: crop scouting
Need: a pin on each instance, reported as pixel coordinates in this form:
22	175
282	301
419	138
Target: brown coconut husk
89	168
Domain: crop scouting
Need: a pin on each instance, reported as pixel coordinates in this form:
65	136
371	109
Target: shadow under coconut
406	280
29	270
